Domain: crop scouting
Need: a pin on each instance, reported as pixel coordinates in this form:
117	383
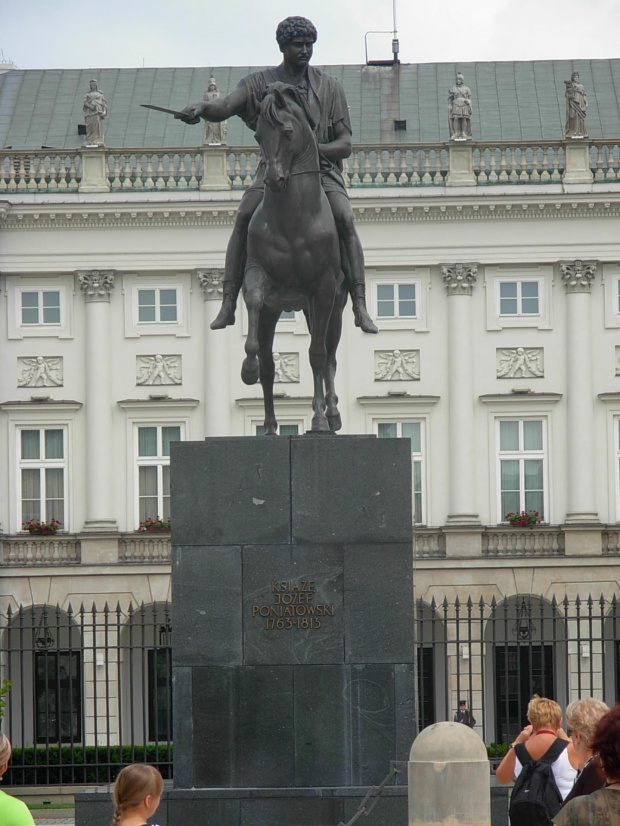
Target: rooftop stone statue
459	98
576	107
95	109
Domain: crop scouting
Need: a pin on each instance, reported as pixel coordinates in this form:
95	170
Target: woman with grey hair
582	718
14	811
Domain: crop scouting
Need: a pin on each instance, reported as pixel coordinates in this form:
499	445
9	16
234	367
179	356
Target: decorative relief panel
520	362
158	370
287	368
397	365
40	371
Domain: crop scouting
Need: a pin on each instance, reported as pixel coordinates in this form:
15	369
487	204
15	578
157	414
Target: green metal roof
512	101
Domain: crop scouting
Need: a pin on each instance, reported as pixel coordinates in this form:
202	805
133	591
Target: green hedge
496	751
70	765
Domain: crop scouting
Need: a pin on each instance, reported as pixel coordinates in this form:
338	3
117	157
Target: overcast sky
63	34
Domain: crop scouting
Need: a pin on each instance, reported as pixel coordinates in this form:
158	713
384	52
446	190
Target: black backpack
535	798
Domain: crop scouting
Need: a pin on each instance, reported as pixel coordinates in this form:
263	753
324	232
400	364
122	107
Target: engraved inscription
293	606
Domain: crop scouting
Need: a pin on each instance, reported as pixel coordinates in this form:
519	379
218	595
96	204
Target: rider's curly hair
293	27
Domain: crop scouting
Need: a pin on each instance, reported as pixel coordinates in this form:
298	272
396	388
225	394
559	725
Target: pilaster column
577	277
97	286
217	382
460	280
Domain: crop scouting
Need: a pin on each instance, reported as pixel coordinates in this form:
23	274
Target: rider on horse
327	102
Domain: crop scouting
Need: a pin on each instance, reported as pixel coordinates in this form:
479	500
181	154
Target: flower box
37	528
154	525
523	519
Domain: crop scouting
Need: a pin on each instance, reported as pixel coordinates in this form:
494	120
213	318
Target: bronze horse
293	256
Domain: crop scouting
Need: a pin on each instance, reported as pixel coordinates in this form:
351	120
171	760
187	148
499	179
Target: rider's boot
362	317
226	315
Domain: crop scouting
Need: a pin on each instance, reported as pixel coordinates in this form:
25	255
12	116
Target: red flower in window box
34	526
524	519
156	525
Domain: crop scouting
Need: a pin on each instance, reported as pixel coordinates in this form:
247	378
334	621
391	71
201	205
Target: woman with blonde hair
137	793
543	734
582	718
13	812
603	806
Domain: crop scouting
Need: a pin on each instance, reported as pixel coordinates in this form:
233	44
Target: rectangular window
157	306
413	432
522	466
42	468
396	301
518	298
154	470
40	307
283	429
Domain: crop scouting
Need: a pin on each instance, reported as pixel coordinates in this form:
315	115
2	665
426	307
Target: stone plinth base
253	807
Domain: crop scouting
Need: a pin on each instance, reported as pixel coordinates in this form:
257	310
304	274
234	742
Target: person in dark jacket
464	715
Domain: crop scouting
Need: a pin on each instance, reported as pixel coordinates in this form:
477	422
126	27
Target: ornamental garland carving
158	370
211	283
520	363
459	279
397	365
578	275
40	371
97	285
286	368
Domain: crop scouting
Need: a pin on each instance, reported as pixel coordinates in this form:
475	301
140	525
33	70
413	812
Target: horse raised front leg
254	284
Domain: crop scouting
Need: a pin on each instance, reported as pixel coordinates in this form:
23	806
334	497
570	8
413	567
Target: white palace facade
493	274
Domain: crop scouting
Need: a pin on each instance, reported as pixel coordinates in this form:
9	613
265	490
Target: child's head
5	750
133	786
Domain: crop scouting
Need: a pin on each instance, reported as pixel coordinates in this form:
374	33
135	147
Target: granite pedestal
293	637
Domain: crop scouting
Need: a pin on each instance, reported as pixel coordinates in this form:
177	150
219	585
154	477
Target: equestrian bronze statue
314	106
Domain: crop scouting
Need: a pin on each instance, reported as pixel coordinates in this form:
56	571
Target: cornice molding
403	209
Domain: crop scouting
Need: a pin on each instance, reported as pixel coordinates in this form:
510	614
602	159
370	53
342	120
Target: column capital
97	285
578	275
210	282
459	279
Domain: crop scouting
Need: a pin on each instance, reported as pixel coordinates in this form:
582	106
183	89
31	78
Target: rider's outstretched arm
215	110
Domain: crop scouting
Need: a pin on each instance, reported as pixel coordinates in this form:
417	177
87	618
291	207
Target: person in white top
545	717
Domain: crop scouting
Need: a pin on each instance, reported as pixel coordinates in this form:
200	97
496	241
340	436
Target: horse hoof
335	422
319	424
249	370
271	430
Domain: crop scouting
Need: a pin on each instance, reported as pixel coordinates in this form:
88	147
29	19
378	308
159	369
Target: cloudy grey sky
59	34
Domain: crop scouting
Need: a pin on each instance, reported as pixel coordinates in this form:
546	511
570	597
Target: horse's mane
277	97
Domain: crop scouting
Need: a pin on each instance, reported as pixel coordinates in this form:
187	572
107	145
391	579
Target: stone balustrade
144	548
540	541
370	165
611	543
41	550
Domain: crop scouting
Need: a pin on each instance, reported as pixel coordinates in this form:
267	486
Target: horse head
284	132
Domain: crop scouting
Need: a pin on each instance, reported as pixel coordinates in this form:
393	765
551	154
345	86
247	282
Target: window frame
16	286
521	455
42	464
419	277
419	458
133	284
157	461
37	416
495	276
611	285
518	298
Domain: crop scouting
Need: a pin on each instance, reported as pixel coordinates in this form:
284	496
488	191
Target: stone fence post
449	778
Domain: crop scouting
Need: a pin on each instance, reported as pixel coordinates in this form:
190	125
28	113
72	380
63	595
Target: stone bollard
449	778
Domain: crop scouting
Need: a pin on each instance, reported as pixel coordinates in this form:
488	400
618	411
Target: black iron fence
91	689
